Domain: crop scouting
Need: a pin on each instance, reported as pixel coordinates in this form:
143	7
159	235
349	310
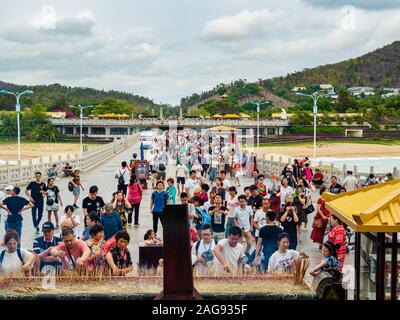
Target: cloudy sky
168	49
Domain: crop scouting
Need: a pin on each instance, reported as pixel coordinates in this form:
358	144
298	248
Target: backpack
198	245
161	166
70	186
121	179
2	254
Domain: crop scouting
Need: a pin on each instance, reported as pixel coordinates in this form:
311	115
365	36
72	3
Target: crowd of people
258	229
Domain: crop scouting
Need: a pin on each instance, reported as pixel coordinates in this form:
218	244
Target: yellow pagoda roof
222	128
231	116
243	115
216	116
372	209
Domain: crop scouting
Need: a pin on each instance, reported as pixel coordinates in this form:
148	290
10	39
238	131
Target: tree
345	101
8	124
302	118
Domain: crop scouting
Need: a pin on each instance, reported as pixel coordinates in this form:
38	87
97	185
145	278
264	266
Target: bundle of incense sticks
300	267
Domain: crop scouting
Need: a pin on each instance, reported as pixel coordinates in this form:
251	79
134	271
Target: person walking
75	186
320	220
290	220
159	199
53	200
135	196
122	174
35	192
14	206
243	218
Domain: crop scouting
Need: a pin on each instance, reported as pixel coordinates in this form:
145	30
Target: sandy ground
8	151
338	150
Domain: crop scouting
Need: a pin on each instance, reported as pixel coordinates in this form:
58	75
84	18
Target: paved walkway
103	177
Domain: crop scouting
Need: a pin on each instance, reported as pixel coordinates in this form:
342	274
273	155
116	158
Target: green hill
56	96
378	69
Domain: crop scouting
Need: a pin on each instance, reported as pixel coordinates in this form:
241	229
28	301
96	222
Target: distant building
394	90
390	94
57	115
296	89
359	91
327	87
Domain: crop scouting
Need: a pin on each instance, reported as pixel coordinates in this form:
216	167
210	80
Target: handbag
309	209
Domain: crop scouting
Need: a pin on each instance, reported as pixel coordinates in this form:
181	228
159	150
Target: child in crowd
171	191
153	178
330	261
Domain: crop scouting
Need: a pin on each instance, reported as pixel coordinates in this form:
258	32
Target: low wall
273	166
24	171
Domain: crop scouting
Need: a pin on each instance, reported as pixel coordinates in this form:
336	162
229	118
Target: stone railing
158	122
273	166
23	172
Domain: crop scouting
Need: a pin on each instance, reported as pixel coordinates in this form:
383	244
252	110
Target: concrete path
103	177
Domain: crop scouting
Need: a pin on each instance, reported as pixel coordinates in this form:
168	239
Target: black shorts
181	180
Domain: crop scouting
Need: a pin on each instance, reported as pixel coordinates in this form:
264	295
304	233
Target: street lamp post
17	95
81	108
259	103
315	96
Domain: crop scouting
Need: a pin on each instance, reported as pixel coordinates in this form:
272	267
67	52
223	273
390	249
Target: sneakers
136	225
75	206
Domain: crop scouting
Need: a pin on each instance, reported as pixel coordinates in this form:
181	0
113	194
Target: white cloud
235	27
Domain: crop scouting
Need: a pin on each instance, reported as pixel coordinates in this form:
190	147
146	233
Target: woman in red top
338	236
274	200
135	192
320	221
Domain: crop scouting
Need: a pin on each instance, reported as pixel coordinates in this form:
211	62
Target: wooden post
178	274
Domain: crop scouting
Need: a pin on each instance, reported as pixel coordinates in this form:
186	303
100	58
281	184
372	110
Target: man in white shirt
230	252
181	176
192	184
260	218
243	218
225	182
350	182
122	175
203	258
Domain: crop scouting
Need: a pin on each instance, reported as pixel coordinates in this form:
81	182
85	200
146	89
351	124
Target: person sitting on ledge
330	261
318	178
68	170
